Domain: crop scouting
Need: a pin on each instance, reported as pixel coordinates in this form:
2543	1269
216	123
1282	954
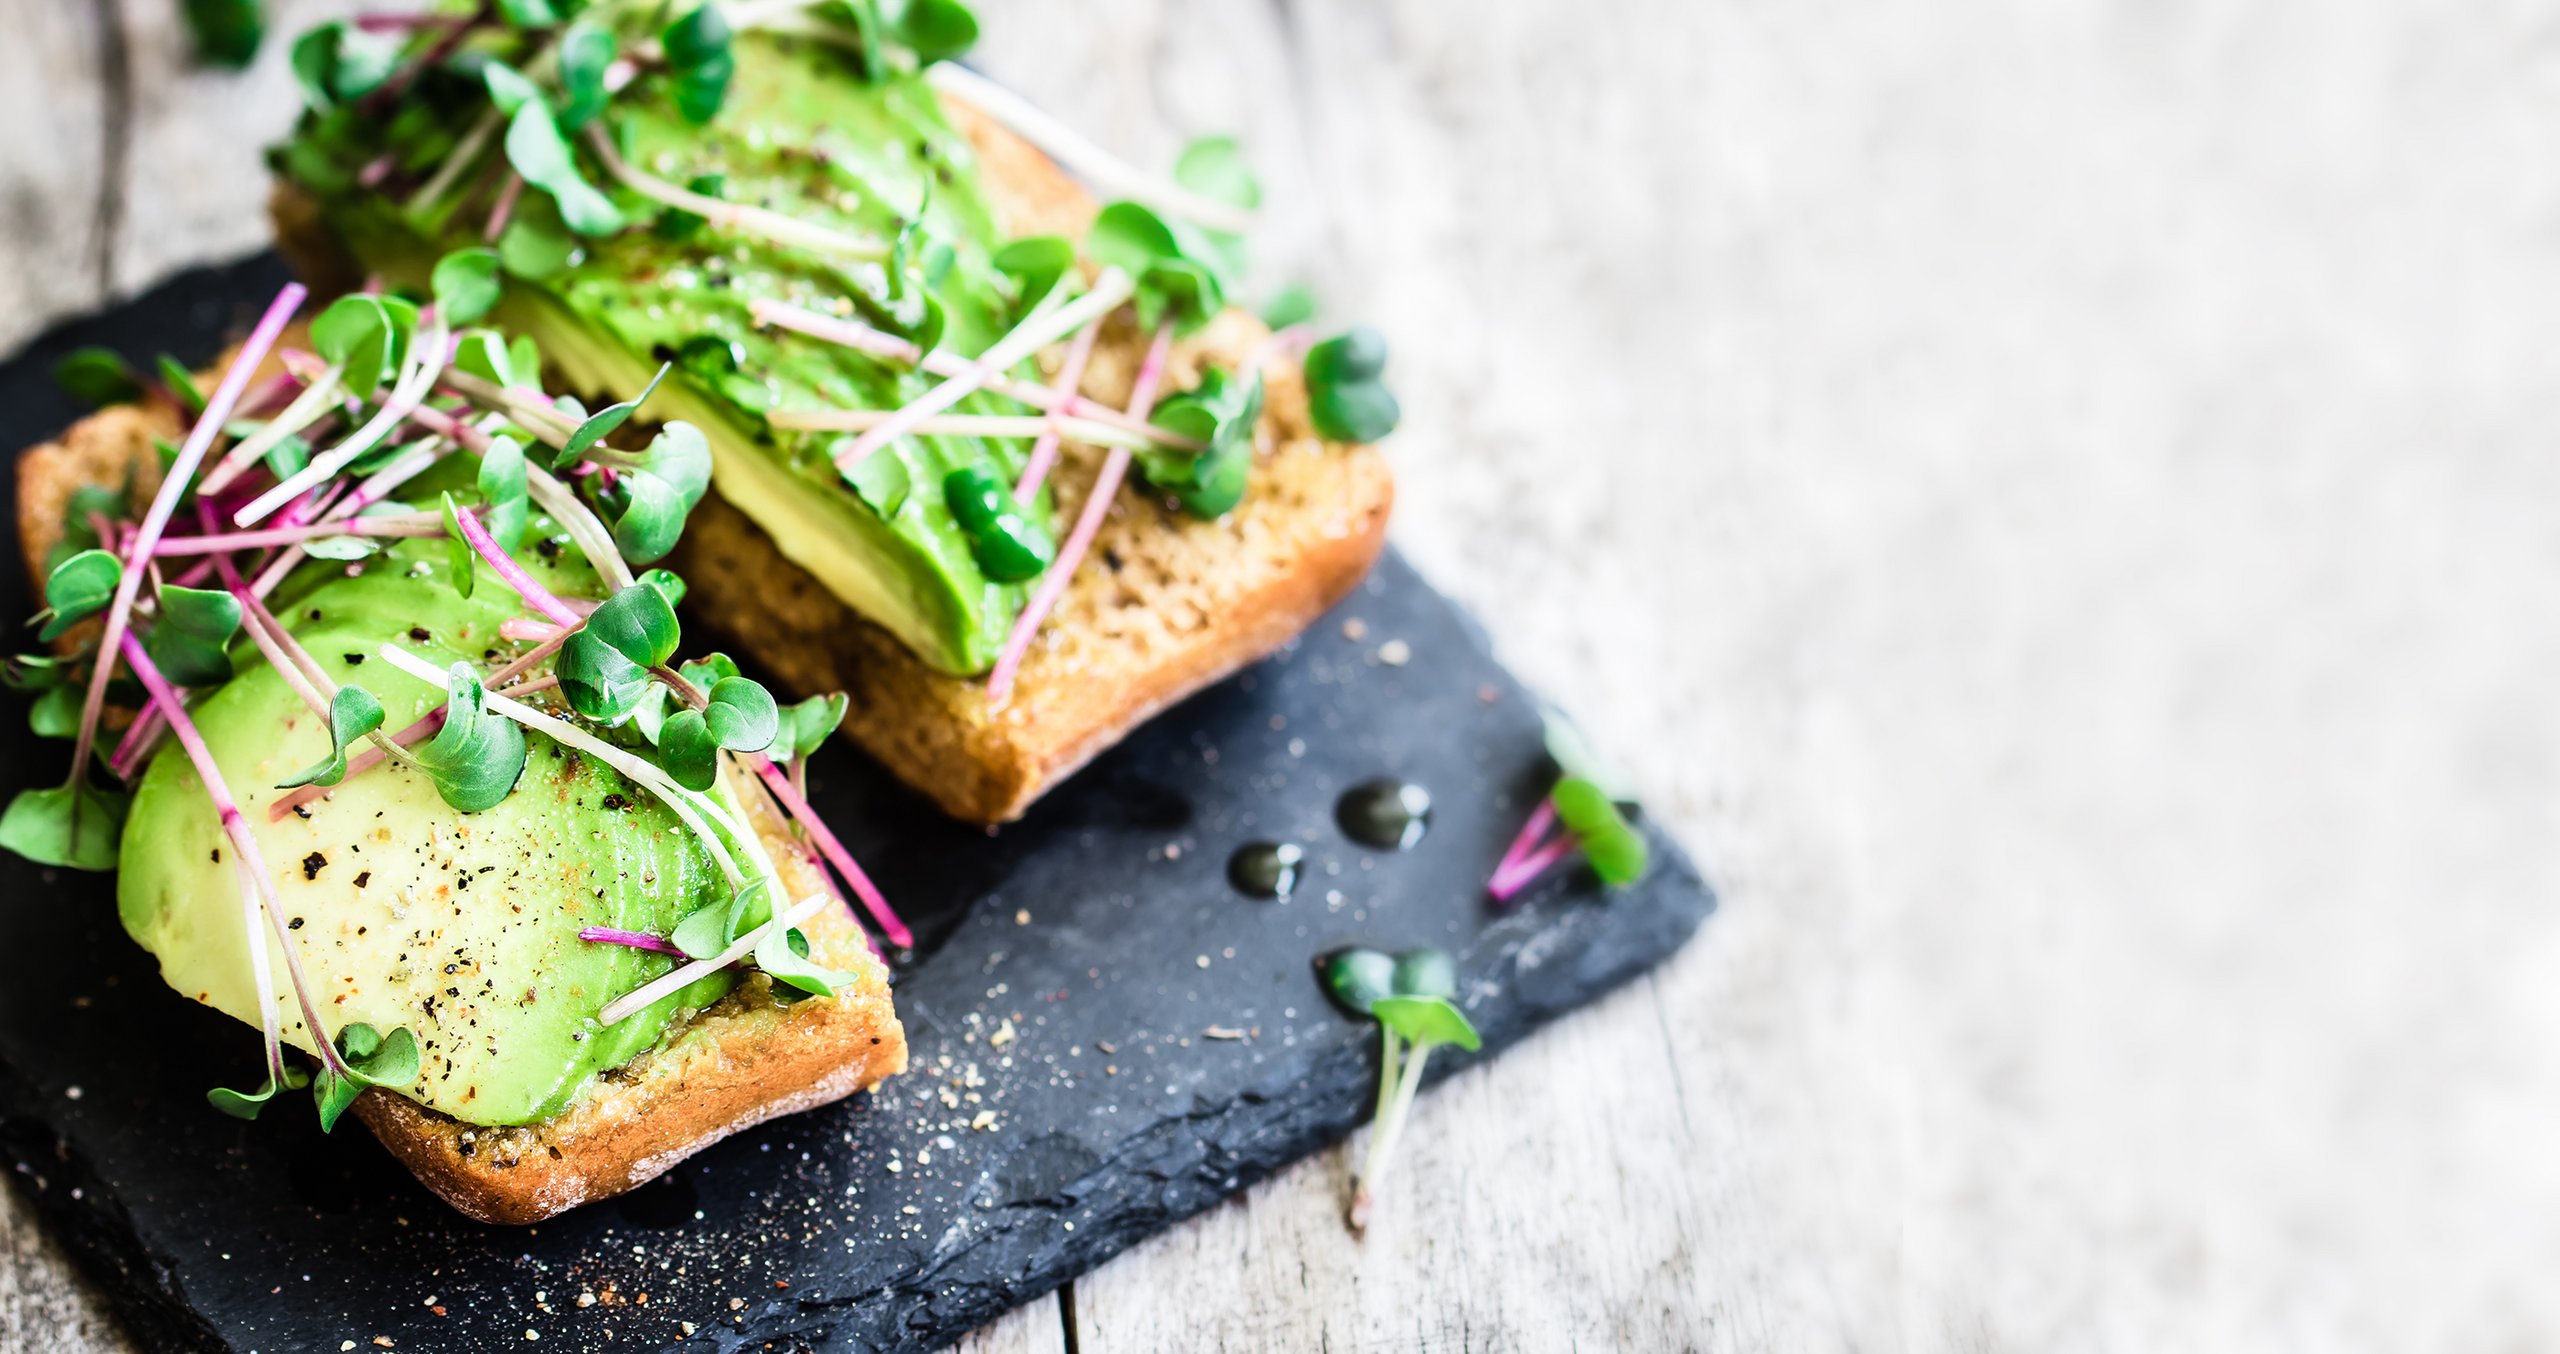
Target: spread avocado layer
461	927
802	133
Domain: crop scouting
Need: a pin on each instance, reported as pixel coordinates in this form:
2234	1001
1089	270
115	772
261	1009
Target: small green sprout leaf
56	713
466	284
353	713
502	489
935	30
1010	547
78	588
362	334
460	559
688	750
697	48
638	623
541	154
76	827
605	420
98	377
1614	848
805	726
477	756
586	50
191	644
1426	973
783	953
1222	411
678	225
246	1104
1426	1022
1345	397
668	585
181	383
227	32
1294	304
1177	268
334	63
1033	267
597	680
741	715
1356	978
371	1059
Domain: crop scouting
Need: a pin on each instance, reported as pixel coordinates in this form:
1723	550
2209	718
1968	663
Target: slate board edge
144	1290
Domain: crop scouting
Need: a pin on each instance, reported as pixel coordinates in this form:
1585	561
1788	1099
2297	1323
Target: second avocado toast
833	258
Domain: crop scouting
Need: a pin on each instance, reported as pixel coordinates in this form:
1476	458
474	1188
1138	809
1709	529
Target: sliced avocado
801	134
462	928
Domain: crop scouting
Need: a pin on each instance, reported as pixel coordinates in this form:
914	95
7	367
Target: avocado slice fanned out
803	134
461	928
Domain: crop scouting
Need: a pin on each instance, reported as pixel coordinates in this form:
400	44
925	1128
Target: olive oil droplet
1267	870
1388	814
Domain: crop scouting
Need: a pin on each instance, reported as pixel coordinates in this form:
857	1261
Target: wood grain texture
2054	504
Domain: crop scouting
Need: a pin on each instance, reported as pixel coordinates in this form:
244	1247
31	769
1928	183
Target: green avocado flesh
800	134
461	927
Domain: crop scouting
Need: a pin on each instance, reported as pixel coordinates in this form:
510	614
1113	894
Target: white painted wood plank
53	140
1036	1327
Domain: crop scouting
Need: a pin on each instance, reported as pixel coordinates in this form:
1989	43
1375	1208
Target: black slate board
886	1222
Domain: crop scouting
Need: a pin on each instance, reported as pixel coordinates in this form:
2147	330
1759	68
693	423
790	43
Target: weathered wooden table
2055	503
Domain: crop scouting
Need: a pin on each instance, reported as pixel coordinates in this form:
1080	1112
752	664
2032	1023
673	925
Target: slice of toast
745	1060
1164	605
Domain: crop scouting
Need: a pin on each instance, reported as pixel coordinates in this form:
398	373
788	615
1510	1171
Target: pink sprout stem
1530	832
1070	379
506	207
242	839
426	726
1505	887
173	485
420	525
1097	503
534	593
638	940
834	851
142	735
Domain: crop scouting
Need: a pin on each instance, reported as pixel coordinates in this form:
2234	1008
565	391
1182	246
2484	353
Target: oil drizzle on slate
1388	814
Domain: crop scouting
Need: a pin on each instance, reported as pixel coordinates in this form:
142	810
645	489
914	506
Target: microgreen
1213	168
1222	411
192	641
226	32
603	666
78	588
603	421
1345	397
738	714
783	953
882	482
477	756
1176	267
1032	269
89	505
698	59
365	335
1294	304
709	929
246	1104
530	13
586	49
653	493
77	826
1586	801
805	726
501	481
540	153
353	713
97	377
466	284
180	383
1415	1014
55	713
365	1058
678	225
1008	545
461	561
935	30
335	63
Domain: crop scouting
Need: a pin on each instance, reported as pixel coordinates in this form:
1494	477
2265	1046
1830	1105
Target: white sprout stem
429	353
1114	176
376	487
548	425
680	978
464	154
1083	430
684	802
736	216
1028	337
173	484
414	524
586	530
316	399
1061	398
1044	451
262	971
1383	1135
282	661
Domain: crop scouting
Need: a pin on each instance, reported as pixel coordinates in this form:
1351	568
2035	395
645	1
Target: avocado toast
415	757
925	361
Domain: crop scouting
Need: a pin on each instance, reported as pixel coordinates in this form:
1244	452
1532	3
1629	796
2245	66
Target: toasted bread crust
743	1062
